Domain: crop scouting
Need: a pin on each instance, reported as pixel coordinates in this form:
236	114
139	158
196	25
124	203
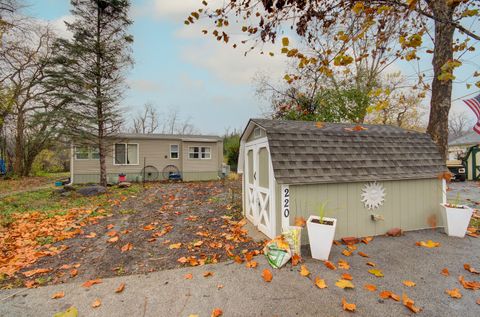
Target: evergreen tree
89	70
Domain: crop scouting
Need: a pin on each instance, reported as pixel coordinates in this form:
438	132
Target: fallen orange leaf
238	259
409	283
73	272
251	264
96	303
296	259
363	254
175	246
454	293
120	288
376	272
371	264
304	271
188	276
470	269
267	275
445	272
207	274
367	240
319	124
127	247
35	272
347	253
320	283
112	240
217	312
370	287
58	295
348	306
347	276
149	227
409	303
91	282
344	284
300	222
473	285
389	294
428	244
330	265
343	264
112	233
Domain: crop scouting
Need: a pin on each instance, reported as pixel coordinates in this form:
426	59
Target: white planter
456	220
320	237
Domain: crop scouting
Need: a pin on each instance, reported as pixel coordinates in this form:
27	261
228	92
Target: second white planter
456	219
321	237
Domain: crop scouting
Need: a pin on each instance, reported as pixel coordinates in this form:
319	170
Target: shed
290	168
471	161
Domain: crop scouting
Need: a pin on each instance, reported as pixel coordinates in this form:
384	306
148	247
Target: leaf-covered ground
8	186
165	226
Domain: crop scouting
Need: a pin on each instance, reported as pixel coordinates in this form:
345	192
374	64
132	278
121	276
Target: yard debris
363	254
277	252
445	272
367	240
92	190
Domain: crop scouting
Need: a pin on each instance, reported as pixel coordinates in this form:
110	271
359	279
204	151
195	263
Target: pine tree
89	72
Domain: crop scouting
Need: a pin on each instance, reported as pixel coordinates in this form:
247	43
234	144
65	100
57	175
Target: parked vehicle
458	170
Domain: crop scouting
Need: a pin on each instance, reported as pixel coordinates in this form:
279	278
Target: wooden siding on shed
408	205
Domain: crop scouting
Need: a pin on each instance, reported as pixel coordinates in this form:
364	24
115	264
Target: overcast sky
177	67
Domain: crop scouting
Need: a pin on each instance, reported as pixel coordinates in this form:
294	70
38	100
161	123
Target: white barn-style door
259	187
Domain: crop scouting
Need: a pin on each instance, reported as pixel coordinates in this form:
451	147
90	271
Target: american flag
474	104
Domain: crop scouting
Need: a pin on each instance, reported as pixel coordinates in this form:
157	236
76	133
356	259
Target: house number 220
286	202
285	207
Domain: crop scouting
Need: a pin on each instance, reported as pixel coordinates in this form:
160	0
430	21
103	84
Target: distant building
459	146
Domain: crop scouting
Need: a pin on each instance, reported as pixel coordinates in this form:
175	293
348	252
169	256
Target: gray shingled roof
470	138
302	153
156	136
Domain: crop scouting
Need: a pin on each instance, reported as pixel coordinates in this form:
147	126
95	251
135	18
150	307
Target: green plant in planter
321	211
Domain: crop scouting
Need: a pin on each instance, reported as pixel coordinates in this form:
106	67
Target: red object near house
122	178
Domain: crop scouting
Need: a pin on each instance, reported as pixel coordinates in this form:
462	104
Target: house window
126	154
197	152
174	151
81	153
95	152
257	132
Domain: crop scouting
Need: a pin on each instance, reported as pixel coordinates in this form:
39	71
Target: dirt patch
166	226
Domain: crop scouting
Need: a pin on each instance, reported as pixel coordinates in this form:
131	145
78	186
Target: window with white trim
95	153
199	152
174	151
81	153
126	154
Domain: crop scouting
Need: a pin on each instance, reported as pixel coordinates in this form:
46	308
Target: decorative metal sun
373	195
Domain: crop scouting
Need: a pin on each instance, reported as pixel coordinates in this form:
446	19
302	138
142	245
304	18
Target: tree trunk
100	104
19	143
441	89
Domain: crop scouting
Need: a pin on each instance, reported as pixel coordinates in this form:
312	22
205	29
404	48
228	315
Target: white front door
259	188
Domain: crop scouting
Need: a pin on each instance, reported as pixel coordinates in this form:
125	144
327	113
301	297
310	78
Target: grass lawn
25	183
